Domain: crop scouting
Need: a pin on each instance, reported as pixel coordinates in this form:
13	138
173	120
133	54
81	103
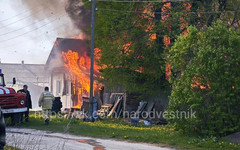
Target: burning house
69	67
69	78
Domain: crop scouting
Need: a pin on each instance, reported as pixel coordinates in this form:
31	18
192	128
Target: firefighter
28	101
45	101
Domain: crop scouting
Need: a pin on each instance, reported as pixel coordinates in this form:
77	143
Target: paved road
31	139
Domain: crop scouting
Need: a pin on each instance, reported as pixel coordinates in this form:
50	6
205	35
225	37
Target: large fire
166	9
78	66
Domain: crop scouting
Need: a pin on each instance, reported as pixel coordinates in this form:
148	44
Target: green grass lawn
117	129
10	148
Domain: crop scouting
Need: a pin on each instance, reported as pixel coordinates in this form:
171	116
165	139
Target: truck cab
12	104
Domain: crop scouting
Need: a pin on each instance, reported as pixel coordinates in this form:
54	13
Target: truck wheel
16	118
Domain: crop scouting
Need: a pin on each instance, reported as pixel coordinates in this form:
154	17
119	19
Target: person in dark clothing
2	131
28	101
57	105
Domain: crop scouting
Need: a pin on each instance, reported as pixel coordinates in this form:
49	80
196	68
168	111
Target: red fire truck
11	103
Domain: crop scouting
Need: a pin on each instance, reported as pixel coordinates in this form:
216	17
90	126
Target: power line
150	1
25	11
31	30
37	36
141	12
18	20
23	19
24	26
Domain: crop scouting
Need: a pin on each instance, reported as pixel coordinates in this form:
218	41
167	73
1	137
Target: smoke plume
52	9
80	16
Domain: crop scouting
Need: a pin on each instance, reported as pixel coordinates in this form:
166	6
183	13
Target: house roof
55	59
24	73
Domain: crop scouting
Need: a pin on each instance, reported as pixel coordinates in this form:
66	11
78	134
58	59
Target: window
58	88
1	80
67	87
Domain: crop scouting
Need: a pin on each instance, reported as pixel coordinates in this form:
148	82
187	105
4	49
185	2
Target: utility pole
92	60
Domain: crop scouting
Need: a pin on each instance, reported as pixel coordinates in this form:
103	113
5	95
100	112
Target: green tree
204	13
206	79
130	57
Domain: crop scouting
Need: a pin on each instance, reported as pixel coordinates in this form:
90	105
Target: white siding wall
58	87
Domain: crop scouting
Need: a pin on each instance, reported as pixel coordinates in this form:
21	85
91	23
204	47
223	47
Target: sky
28	29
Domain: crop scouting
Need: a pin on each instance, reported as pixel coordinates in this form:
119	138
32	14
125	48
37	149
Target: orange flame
196	82
166	9
79	69
81	36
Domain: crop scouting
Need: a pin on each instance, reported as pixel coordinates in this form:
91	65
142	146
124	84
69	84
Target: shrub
206	79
